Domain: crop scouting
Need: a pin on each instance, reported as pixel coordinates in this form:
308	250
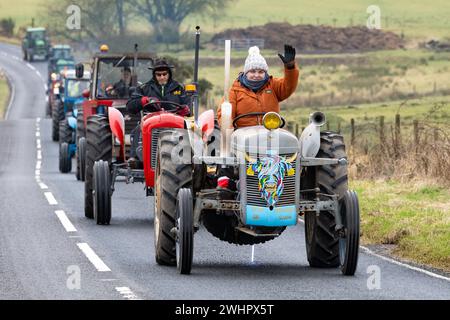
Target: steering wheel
177	105
252	114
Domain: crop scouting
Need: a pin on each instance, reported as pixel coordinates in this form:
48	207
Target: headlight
271	120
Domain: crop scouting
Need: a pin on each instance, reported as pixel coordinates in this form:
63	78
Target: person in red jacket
256	91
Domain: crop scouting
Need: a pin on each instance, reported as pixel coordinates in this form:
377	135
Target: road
44	236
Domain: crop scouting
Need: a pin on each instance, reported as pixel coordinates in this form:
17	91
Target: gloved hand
289	55
184	112
151	100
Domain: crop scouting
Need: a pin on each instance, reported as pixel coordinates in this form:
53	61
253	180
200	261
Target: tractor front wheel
65	161
102	192
349	238
185	231
81	159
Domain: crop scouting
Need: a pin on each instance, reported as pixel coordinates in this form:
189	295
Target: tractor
58	52
71	101
54	102
278	177
35	44
104	124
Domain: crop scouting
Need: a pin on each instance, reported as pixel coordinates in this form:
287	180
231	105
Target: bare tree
166	16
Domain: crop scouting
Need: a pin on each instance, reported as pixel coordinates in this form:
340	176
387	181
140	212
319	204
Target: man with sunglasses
160	88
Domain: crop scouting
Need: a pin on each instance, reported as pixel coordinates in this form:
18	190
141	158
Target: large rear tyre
65	132
185	231
98	147
102	192
57	116
322	242
349	241
171	175
65	161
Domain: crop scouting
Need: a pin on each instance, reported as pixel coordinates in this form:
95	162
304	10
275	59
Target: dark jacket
172	91
121	89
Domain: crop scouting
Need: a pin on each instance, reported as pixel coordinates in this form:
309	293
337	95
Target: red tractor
104	125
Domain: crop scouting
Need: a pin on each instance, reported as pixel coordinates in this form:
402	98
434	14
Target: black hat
161	64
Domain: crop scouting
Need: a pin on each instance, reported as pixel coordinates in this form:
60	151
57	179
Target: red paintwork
206	122
117	124
150	121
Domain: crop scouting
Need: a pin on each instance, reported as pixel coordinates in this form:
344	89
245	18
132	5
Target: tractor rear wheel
322	242
171	175
65	161
98	147
57	116
65	132
102	192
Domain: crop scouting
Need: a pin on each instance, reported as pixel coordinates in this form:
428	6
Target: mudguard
206	122
149	122
72	122
117	124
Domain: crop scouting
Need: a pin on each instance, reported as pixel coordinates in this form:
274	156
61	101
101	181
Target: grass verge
414	217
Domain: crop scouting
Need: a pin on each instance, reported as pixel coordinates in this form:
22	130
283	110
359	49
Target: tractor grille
287	197
155	136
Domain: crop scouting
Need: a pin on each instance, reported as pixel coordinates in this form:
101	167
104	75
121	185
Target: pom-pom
253	50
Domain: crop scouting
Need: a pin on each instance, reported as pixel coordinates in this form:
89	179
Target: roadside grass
414	216
4	95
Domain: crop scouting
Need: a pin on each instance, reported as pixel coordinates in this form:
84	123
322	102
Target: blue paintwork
72	122
277	217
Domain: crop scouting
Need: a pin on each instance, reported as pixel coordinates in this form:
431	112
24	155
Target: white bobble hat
255	60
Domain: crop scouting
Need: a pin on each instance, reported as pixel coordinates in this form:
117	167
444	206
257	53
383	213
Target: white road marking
50	198
38	120
107	280
31	66
12	95
127	293
93	257
38	134
38	144
401	264
37	172
39	155
65	221
42	185
429	273
38	165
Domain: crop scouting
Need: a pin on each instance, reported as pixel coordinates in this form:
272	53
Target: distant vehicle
58	52
36	44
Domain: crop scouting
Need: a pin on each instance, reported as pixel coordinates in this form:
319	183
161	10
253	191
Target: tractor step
255	234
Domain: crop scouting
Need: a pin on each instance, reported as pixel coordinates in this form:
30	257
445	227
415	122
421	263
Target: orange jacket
267	99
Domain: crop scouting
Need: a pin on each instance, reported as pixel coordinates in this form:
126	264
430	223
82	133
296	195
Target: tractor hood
259	140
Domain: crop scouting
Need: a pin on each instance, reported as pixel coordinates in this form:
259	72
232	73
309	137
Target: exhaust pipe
317	118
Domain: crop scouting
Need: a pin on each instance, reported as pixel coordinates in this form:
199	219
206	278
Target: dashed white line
38	120
42	185
39	155
65	221
37	172
38	144
38	165
93	257
31	66
127	293
50	198
38	134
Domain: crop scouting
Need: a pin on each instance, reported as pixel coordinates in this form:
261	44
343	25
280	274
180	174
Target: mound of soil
315	39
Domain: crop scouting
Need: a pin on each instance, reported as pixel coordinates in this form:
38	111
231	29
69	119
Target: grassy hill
416	19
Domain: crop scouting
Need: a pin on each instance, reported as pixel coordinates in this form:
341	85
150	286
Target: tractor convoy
281	178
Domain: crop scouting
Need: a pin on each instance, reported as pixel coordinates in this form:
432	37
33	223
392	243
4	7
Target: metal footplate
309	162
317	206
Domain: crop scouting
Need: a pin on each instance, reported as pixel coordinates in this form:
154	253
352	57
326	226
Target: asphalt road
41	258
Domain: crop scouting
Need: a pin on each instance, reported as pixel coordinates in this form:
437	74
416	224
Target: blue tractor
72	99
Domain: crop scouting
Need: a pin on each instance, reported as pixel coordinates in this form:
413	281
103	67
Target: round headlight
272	120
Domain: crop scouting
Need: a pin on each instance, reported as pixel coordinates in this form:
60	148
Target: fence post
352	139
416	132
339	127
382	135
397	137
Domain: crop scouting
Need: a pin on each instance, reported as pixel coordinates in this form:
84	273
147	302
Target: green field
416	19
4	95
415	217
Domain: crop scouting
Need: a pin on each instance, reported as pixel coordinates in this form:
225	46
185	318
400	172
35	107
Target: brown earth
316	39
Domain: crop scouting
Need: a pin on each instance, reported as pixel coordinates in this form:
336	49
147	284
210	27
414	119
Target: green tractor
36	44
